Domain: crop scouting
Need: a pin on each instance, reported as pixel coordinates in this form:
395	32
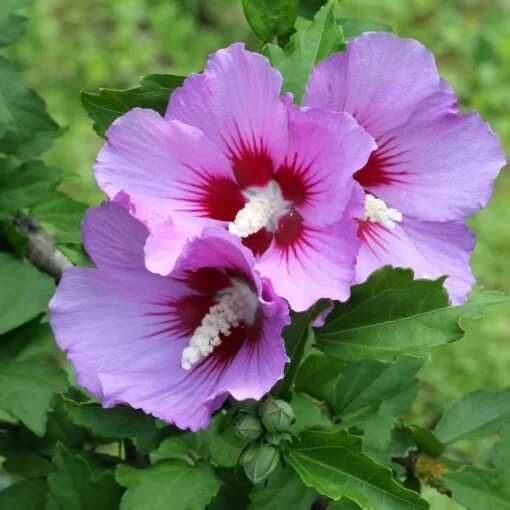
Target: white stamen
263	208
376	211
236	304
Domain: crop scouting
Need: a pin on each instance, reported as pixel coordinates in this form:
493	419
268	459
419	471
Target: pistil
376	211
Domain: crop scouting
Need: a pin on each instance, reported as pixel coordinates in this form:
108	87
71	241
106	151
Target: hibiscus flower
434	166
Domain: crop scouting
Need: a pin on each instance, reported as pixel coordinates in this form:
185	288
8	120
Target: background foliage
71	46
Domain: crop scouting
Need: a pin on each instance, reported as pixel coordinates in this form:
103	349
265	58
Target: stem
41	249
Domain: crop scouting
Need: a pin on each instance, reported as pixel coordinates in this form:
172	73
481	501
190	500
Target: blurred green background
71	46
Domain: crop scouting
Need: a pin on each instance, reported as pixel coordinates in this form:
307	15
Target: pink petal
430	249
236	103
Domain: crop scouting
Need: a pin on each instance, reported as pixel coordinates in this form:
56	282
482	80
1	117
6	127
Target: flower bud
277	415
248	427
259	461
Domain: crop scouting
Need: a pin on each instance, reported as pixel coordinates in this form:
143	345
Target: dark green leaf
477	414
480	489
26	185
116	423
308	8
332	463
187	446
26	130
352	27
309	414
106	105
235	487
77	484
307	46
25	292
393	314
24	495
61	217
270	18
426	441
284	489
168	484
12	25
29	375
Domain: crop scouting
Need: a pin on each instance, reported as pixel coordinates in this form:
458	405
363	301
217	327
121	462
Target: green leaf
235	487
61	217
393	314
24	186
270	18
343	504
283	490
332	463
24	495
116	423
25	292
104	106
225	446
29	375
501	454
426	441
168	484
307	46
309	414
477	414
12	25
78	484
318	375
187	446
26	129
480	489
352	27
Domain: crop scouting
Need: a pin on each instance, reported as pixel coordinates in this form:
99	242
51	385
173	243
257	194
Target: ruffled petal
430	249
236	103
325	150
319	263
379	80
435	168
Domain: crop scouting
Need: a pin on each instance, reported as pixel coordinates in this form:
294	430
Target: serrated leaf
309	414
26	129
352	27
332	463
477	414
77	484
116	423
392	314
24	495
479	489
26	185
61	217
284	489
25	292
12	25
306	47
271	18
168	484
30	375
104	106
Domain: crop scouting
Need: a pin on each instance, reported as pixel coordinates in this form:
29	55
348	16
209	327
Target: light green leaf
26	185
106	105
24	495
270	18
29	375
283	490
501	454
116	423
309	414
352	27
225	446
25	292
12	25
332	463
393	314
307	46
61	217
343	504
477	414
77	484
480	489
26	130
168	484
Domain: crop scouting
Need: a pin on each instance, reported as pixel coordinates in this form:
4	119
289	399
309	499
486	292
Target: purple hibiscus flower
433	166
232	152
174	346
